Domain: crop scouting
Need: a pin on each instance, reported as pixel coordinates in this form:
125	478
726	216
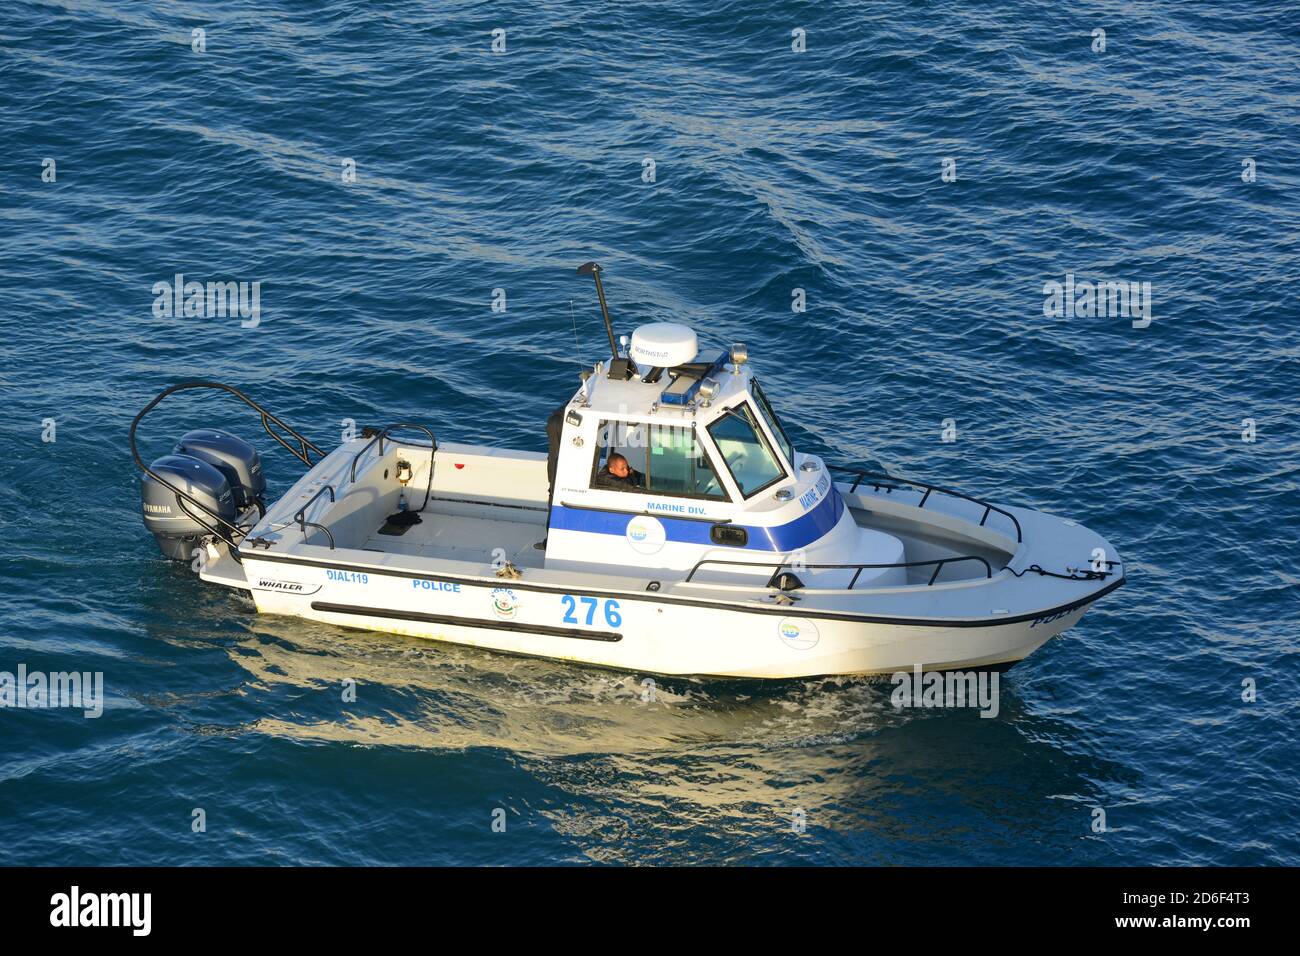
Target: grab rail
377	437
301	452
386	433
880	480
300	516
777	566
231	532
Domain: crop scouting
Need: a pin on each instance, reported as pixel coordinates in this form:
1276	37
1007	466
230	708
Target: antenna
593	269
577	349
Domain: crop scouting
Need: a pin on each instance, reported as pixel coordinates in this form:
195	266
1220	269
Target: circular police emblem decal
800	635
504	603
645	534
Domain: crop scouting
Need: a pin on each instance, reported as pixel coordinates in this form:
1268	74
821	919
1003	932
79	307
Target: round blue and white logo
646	535
801	635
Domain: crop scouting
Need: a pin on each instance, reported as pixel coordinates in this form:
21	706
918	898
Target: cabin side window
753	464
660	460
679	466
626	440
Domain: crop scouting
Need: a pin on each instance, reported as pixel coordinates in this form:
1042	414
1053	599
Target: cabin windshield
773	423
745	450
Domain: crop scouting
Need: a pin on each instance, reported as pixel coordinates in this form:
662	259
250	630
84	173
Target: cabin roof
635	398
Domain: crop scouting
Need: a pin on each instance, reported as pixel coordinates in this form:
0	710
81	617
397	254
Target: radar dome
663	345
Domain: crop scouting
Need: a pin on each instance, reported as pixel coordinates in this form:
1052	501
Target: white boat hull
646	634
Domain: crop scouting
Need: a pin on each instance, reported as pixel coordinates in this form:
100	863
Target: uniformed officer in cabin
618	475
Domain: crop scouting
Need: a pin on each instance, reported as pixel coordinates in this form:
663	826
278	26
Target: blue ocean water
774	170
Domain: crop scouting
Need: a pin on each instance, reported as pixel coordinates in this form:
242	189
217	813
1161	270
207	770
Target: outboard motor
175	531
234	458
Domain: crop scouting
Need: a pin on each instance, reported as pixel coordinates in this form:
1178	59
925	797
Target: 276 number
612	617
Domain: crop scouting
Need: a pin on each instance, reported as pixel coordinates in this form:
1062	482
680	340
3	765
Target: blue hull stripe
799	533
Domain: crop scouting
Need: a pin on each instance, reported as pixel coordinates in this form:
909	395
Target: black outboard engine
175	531
234	458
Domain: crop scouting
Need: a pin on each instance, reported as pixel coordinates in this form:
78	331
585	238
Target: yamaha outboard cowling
175	531
234	458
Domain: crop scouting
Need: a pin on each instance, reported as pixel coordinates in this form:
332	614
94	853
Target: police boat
673	528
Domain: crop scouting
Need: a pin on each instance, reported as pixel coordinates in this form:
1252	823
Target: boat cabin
712	473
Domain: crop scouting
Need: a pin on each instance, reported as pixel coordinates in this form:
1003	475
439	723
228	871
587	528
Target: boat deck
453	537
490	500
